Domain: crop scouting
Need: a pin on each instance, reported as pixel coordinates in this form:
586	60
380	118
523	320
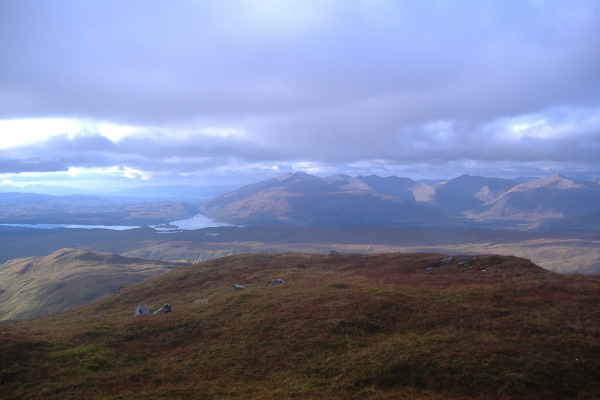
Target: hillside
551	198
467	192
68	278
418	326
303	199
580	222
465	202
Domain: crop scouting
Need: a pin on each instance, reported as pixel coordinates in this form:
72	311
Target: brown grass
342	327
68	278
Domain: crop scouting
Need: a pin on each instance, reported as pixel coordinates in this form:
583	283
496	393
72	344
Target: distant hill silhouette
31	208
466	201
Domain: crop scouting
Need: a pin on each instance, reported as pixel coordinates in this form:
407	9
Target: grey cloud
445	142
34	164
94	150
339	82
143	62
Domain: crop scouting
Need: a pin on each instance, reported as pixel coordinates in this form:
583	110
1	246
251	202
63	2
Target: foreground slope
417	326
68	278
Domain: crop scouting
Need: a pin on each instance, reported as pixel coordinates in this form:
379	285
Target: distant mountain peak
295	176
555	181
284	176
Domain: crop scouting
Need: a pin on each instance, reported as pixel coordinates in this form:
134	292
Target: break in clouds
436	88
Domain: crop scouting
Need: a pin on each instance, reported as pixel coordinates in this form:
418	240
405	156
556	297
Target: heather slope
389	326
68	278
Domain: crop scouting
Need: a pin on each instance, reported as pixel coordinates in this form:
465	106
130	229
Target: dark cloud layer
333	83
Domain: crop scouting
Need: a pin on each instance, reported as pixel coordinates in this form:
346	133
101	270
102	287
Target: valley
565	252
292	213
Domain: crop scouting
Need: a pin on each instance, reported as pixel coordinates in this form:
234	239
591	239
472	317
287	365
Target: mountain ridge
304	199
552	197
341	200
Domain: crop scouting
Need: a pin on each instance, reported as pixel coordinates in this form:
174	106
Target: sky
110	94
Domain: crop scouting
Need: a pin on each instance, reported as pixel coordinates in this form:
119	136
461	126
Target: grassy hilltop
68	278
389	326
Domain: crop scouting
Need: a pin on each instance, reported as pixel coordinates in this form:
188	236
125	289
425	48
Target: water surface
198	221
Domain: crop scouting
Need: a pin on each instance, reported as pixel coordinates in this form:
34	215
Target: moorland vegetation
342	326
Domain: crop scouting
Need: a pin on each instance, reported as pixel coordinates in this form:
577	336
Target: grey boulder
164	309
141	310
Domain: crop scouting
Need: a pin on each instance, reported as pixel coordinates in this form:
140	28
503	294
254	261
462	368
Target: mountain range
154	192
555	202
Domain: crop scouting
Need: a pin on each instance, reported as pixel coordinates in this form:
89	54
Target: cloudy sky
206	92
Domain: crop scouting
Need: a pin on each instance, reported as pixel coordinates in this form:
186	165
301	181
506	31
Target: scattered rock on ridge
141	310
164	309
276	281
238	287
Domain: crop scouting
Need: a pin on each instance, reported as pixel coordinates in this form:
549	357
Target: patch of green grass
377	291
93	358
339	285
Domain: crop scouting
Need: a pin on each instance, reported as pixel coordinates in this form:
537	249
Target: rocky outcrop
164	309
141	310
